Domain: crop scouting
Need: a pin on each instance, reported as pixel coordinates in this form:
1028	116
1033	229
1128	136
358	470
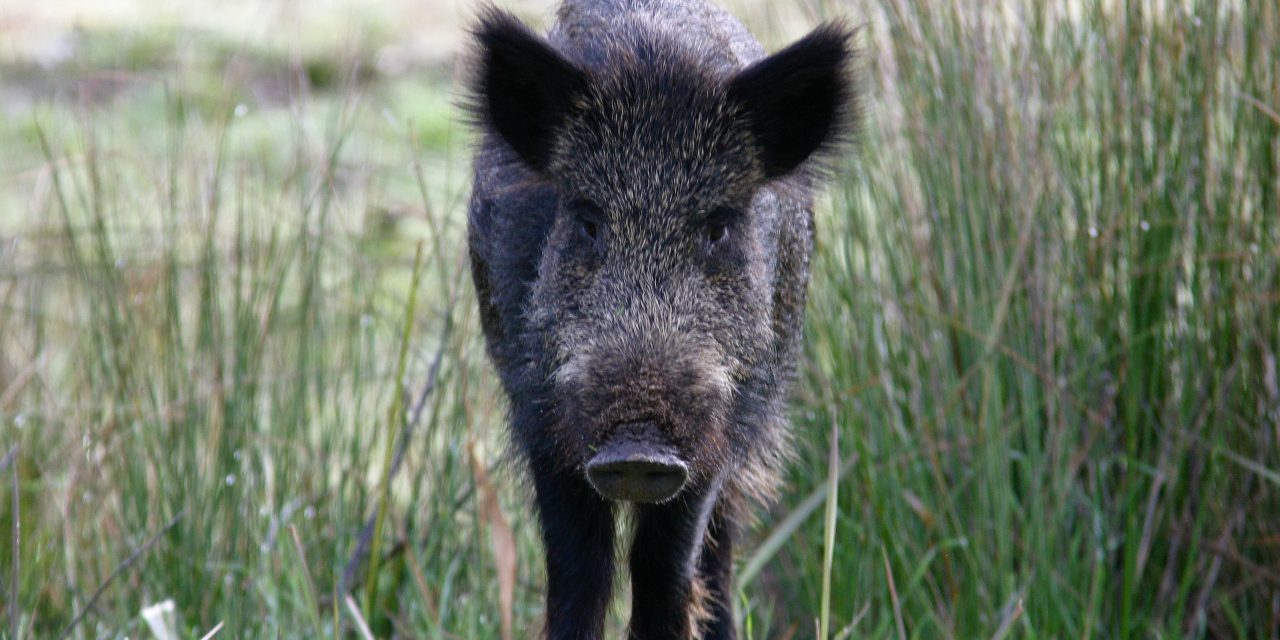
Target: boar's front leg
577	534
670	585
716	567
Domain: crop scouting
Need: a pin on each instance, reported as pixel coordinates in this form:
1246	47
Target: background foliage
1043	330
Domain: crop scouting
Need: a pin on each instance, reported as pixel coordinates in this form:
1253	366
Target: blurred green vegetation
1043	325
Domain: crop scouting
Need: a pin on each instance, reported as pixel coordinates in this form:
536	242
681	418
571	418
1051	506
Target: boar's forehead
656	138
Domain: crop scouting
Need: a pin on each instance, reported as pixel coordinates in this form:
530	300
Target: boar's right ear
522	87
799	101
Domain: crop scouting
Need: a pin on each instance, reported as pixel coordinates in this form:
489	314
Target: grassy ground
1043	332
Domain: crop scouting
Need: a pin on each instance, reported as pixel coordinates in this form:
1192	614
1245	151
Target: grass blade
395	428
829	531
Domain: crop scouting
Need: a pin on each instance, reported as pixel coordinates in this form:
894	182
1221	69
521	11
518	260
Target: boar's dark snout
637	464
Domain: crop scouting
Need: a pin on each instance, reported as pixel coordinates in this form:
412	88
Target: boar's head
652	311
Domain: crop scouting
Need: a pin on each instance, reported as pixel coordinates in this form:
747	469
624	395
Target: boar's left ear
522	87
799	101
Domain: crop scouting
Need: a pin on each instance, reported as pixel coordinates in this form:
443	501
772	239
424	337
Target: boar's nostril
637	465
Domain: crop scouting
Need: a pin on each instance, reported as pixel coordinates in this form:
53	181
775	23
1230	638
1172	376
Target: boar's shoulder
509	218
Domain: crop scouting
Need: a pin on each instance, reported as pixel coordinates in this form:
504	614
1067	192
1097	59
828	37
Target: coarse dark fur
640	231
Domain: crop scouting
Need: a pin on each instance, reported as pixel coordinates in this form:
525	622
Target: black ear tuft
522	88
799	101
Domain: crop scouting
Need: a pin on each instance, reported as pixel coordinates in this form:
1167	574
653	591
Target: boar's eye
717	226
587	218
716	232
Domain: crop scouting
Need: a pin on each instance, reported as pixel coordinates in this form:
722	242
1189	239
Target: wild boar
640	230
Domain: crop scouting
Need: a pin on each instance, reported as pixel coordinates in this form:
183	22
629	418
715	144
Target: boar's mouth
637	464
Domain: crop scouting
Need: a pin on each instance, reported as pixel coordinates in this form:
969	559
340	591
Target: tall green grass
1043	331
1045	314
213	330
